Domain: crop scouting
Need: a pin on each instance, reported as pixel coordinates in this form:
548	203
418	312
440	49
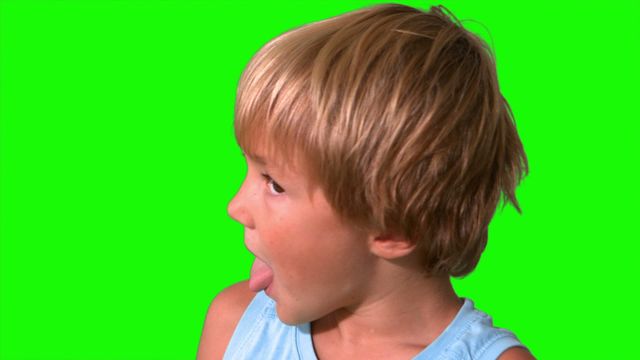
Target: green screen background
118	161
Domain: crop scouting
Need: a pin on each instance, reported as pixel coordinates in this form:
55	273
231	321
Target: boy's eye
277	189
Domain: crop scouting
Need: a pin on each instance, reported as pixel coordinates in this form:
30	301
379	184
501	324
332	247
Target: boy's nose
238	211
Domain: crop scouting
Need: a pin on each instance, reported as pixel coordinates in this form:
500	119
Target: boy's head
396	115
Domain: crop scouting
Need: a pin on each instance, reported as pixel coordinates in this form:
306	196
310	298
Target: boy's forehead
260	159
275	154
274	162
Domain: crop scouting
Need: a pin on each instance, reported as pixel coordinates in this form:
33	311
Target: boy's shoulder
516	353
236	296
223	316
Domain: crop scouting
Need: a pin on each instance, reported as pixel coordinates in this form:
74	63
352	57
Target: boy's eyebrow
257	158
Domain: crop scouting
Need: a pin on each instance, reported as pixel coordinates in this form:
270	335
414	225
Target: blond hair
397	115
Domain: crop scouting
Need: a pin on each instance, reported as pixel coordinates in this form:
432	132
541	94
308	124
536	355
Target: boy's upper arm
223	316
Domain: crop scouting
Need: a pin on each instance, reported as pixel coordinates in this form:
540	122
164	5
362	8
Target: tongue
261	276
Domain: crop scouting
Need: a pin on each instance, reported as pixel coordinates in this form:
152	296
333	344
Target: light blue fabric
261	335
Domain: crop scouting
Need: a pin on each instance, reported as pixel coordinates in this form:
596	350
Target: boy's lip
246	244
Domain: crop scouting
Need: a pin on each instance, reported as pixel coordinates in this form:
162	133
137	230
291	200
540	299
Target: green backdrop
118	161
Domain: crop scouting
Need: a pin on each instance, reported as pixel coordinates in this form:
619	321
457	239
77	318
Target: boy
378	145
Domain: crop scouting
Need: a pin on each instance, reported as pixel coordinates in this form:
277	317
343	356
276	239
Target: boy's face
319	264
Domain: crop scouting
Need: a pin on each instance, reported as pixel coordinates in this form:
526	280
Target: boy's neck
401	310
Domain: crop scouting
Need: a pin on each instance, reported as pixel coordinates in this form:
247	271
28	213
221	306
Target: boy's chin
292	318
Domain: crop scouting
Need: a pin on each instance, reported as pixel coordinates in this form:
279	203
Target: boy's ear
390	246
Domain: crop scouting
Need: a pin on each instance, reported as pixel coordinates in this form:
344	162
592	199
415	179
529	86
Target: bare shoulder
223	316
516	353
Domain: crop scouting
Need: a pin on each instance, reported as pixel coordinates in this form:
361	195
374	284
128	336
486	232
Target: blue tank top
261	335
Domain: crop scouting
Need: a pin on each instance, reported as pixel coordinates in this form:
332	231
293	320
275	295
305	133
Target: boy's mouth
261	275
